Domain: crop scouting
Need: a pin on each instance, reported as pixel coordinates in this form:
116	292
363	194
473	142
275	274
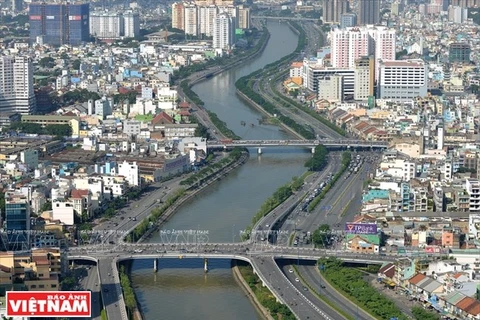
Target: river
180	290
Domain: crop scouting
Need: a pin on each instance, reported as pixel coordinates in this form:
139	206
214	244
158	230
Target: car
297	280
305	289
322	286
267	226
291	270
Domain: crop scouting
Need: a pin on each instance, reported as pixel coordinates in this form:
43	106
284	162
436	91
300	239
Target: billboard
360	228
432	249
35	304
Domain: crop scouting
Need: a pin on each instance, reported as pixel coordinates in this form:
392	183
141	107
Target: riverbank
237	276
217	175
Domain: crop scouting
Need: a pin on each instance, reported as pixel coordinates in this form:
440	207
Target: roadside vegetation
350	282
222	126
277	310
208	171
319	159
346	159
128	293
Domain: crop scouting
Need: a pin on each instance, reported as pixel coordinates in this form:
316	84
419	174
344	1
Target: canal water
180	289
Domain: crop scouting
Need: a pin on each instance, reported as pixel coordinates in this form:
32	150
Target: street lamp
233	233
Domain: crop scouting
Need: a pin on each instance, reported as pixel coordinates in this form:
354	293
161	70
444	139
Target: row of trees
128	292
346	158
222	126
319	159
205	173
351	282
80	96
264	296
59	130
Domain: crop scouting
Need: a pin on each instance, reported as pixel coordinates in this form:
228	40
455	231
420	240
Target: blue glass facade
60	24
17	220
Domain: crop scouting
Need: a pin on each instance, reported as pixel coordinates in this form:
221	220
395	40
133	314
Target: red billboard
75	18
432	249
36	18
35	304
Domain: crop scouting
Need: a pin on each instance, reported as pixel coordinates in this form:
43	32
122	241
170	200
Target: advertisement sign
35	18
361	228
431	249
75	18
34	304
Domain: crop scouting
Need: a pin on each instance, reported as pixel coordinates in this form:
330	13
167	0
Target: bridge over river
261	256
329	143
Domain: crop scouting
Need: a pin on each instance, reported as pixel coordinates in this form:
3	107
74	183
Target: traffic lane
310	274
91	283
109	290
283	288
291	276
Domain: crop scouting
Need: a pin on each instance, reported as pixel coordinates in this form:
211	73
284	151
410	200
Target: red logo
71	304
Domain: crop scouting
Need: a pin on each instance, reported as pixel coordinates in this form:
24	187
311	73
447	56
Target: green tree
422	314
47	206
320	237
319	159
46	62
76	64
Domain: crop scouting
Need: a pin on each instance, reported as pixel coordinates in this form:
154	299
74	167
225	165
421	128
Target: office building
331	88
402	80
17	220
313	73
333	9
178	16
368	12
459	52
16	85
364	78
223	31
59	24
348	20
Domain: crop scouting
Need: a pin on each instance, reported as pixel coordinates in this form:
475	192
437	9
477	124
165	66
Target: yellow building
46	120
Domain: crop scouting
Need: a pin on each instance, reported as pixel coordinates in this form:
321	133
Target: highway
111	289
309	273
91	282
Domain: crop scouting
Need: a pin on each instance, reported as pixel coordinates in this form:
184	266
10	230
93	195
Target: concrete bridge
285	18
329	143
258	255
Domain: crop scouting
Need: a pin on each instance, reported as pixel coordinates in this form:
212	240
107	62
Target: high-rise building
17	5
178	16
331	88
223	31
131	23
106	25
402	80
457	14
243	19
333	9
16	85
191	19
59	24
17	220
206	15
348	20
459	52
364	78
350	44
369	12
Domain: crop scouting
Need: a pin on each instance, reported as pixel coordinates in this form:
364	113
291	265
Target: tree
76	64
321	236
47	62
47	206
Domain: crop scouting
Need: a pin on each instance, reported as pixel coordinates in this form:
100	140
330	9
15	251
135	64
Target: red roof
123	90
184	113
417	278
184	104
162	118
79	193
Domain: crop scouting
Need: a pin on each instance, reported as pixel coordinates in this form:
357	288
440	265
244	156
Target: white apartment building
331	88
231	10
403	80
223	31
106	25
16	85
472	186
397	168
206	16
63	211
131	173
131	127
131	23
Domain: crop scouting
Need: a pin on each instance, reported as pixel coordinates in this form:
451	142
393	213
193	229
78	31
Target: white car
297	280
291	270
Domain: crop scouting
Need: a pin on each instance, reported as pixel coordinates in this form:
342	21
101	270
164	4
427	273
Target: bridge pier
155	265
205	265
259	150
313	150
